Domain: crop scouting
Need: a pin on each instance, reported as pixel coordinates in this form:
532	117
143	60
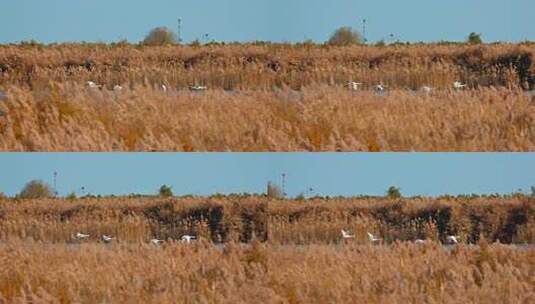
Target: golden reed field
252	248
266	97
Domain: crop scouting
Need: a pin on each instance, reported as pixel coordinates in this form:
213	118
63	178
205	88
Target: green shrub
474	38
165	191
393	192
71	196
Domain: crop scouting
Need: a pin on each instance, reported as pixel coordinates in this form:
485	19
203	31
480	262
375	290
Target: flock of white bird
108	239
381	88
354	86
450	239
163	87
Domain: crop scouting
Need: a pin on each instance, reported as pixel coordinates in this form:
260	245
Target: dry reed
273	251
266	98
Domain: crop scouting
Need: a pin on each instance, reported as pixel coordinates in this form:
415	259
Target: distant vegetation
36	189
393	192
474	38
345	36
274	191
165	191
160	36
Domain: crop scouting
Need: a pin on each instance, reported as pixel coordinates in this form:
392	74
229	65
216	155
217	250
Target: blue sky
275	20
327	173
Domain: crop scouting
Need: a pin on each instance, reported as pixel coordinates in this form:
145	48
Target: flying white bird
427	89
347	235
117	88
187	238
92	85
354	86
156	241
198	88
452	239
458	85
81	236
106	238
374	239
379	88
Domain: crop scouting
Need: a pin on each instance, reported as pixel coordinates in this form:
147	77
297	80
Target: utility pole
364	30
179	32
55	183
283	184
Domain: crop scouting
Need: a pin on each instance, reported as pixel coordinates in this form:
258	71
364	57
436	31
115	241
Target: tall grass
200	273
69	117
134	219
281	98
243	219
274	251
246	66
320	221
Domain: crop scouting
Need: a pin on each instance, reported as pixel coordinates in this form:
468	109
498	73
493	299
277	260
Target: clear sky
274	20
327	173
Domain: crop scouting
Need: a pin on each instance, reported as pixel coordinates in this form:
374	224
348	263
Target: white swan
452	239
198	88
427	89
156	241
92	85
106	238
81	236
187	238
379	88
459	85
347	235
354	86
374	239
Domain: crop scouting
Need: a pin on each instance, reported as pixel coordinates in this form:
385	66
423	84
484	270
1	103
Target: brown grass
244	218
134	219
289	252
319	221
284	98
72	118
178	273
246	66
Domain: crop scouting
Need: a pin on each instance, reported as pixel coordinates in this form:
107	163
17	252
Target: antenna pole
284	184
55	183
364	30
179	32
